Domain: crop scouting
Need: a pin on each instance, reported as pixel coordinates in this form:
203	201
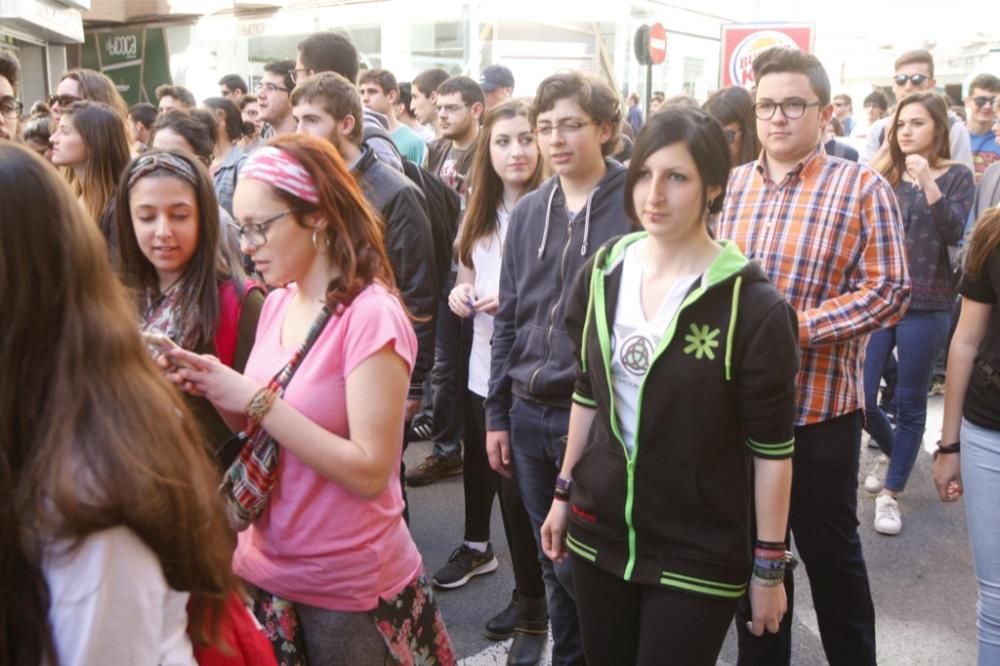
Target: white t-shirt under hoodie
635	338
111	604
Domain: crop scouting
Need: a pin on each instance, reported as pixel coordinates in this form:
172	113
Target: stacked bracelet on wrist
260	404
561	491
769	562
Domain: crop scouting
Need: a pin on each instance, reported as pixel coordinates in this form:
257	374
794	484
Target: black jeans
626	623
481	485
449	377
824	523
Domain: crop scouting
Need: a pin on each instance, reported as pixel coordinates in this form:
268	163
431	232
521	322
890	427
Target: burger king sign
743	42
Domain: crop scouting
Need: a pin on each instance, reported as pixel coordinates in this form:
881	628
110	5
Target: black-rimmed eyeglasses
11	107
790	108
255	233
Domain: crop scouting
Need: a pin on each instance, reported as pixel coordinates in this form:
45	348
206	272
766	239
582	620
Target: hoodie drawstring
586	223
732	326
548	217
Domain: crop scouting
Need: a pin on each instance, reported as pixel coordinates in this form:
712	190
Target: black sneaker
421	428
463	564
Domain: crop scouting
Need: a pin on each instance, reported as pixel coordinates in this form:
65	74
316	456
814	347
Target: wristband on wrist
767	582
954	447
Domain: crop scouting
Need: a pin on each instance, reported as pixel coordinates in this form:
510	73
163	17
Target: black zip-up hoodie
531	356
720	388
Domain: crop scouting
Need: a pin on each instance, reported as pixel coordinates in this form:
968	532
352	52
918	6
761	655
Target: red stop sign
657	43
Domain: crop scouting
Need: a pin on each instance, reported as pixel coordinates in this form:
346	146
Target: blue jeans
537	442
981	483
449	378
918	338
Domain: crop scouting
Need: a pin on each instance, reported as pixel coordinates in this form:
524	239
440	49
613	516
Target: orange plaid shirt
831	239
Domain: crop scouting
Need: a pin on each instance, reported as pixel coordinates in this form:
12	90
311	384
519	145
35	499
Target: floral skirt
410	624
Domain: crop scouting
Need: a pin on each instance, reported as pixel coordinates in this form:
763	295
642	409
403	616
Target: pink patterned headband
276	167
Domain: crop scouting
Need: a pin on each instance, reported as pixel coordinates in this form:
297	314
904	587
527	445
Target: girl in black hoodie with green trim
683	408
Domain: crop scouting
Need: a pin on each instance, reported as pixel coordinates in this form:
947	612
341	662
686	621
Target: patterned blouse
930	230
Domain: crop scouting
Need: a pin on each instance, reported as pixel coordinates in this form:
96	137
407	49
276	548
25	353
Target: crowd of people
226	321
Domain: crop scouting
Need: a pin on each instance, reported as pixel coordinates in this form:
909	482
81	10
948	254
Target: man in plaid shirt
829	235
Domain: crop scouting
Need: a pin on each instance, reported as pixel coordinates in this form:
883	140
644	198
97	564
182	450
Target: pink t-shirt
316	543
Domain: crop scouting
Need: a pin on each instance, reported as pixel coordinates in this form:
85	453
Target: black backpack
441	203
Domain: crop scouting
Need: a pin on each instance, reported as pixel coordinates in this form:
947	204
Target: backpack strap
232	294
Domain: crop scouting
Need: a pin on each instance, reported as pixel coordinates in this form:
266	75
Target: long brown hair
984	241
893	166
91	435
106	138
734	104
97	87
487	190
199	288
353	229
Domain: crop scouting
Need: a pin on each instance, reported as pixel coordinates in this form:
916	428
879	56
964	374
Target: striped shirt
830	238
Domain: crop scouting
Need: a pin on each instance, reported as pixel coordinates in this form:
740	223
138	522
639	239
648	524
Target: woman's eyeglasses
10	107
255	234
916	79
731	135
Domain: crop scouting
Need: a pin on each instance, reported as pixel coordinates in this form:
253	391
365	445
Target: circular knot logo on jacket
636	353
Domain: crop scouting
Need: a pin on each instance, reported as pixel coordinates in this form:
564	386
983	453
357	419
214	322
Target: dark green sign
136	60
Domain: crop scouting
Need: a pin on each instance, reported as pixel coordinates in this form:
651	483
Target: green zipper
605	341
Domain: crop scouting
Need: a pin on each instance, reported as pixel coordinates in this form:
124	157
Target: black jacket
720	388
410	246
531	355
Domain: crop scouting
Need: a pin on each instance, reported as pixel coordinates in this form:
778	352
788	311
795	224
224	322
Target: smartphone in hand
162	345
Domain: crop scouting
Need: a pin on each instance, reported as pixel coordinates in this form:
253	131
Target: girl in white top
505	167
113	541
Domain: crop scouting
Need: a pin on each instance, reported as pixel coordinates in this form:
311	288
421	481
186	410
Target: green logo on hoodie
701	342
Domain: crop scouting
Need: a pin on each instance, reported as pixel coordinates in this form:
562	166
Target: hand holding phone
162	345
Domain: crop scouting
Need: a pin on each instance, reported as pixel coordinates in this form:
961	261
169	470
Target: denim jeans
823	518
537	441
918	339
449	378
981	484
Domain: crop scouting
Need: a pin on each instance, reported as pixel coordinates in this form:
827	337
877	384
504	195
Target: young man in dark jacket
459	101
329	106
552	232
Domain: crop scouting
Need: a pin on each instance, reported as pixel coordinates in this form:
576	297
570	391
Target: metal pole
649	89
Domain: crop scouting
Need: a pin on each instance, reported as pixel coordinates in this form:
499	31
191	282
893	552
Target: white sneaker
876	476
887	520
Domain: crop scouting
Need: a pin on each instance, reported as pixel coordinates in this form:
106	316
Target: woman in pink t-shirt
330	549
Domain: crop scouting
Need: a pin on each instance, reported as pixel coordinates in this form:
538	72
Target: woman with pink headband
335	572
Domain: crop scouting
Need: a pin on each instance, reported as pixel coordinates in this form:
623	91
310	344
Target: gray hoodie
531	355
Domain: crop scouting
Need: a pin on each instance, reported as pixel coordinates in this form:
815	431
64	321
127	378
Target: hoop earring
326	245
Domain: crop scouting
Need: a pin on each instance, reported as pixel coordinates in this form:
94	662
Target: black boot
501	626
531	631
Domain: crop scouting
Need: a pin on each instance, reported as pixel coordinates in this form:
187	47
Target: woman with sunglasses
91	141
86	84
687	365
185	291
732	107
935	195
329	546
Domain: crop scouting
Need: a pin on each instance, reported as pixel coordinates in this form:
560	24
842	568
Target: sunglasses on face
982	100
62	100
915	79
731	135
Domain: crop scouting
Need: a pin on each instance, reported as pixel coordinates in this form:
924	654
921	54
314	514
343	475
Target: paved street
922	580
